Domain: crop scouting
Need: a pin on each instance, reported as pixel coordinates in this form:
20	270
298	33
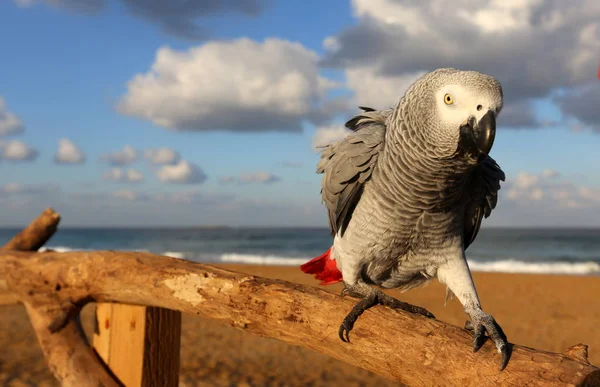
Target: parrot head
461	110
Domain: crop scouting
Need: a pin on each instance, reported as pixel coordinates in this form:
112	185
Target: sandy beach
549	312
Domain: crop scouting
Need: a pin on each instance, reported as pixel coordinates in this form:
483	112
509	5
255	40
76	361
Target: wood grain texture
139	344
162	348
410	349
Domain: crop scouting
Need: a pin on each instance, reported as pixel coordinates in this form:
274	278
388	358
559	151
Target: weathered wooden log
38	232
31	238
69	357
410	349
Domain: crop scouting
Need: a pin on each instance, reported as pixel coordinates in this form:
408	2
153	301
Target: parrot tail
324	268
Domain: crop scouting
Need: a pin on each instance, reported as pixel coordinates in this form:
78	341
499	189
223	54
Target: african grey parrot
406	192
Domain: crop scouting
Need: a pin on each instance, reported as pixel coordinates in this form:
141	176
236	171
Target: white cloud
238	85
161	156
130	195
17	151
526	180
193	196
537	194
125	156
550	173
259	177
9	122
251	177
551	45
68	153
325	135
18	189
547	189
377	91
181	173
124	176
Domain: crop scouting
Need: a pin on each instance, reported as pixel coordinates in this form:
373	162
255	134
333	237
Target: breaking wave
516	266
500	266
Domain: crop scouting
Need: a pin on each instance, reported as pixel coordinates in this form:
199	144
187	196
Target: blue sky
243	101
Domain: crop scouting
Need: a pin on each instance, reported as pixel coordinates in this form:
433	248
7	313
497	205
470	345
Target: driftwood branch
407	348
68	354
34	236
31	238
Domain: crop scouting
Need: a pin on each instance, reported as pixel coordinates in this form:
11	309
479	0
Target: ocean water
564	251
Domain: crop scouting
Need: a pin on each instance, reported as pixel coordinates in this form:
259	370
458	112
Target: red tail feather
324	268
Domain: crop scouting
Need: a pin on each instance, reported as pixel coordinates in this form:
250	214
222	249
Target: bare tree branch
32	237
69	356
404	347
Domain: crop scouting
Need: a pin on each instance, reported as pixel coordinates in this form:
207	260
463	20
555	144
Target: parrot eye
448	99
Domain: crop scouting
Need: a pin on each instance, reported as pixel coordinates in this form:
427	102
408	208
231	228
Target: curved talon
341	332
482	323
504	353
425	313
478	338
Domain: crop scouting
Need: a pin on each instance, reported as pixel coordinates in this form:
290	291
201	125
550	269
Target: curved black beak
477	138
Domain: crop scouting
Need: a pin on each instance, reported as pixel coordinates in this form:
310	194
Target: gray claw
344	330
504	353
478	338
484	322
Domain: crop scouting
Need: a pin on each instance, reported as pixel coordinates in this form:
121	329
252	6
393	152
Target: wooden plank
163	337
102	330
139	344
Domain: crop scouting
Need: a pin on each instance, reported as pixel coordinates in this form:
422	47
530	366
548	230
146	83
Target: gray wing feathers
348	164
486	184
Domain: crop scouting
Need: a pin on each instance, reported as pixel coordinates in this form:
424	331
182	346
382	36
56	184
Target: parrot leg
456	274
371	297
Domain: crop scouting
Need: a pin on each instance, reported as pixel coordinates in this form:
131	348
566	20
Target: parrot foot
371	297
482	322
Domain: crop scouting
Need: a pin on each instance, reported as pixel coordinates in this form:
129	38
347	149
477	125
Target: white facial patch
456	104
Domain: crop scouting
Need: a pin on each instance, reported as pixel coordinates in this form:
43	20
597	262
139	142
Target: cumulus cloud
532	47
9	122
581	104
124	176
374	90
181	173
17	151
178	18
161	156
68	153
325	135
239	85
125	156
548	189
